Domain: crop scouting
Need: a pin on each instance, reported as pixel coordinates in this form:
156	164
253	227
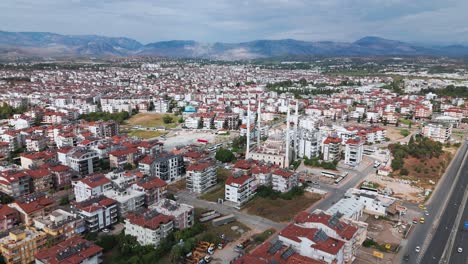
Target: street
432	236
252	221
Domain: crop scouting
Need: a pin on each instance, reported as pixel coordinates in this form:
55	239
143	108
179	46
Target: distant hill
50	44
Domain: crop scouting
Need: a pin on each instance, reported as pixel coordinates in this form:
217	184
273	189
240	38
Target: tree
200	123
384	121
167	119
181	120
359	119
224	155
64	200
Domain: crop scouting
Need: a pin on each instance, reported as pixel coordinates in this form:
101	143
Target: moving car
406	257
421	220
418	248
460	250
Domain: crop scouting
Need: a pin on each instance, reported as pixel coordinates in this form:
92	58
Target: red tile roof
95	180
239	180
199	166
153	183
35	205
82	248
297	233
344	230
150	223
283	173
335	140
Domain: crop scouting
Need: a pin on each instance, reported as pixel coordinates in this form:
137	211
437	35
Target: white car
418	248
426	213
460	250
105	230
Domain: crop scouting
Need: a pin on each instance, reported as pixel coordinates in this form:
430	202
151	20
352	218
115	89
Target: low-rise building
239	189
353	151
60	225
20	245
153	187
149	228
9	217
201	176
98	213
184	214
75	250
284	180
82	161
34	205
128	200
440	132
331	149
91	186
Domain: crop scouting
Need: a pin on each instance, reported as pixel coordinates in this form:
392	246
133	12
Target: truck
224	220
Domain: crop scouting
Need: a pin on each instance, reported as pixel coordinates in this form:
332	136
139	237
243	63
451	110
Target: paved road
461	240
250	220
335	192
427	236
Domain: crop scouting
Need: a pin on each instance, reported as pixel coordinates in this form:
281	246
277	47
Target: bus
339	179
328	174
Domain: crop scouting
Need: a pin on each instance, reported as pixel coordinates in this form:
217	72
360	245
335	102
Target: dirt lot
280	210
151	120
393	133
146	134
401	188
215	194
426	170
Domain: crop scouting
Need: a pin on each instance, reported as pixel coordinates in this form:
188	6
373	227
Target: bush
404	171
224	155
167	119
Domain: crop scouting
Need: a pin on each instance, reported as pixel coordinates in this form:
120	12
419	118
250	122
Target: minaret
286	162
259	113
248	129
296	136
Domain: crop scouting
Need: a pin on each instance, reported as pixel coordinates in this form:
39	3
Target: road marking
449	247
437	218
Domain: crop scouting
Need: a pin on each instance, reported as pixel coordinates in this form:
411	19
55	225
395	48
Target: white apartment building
82	161
184	214
308	143
239	189
201	176
283	180
353	151
148	228
352	233
192	121
91	186
331	149
313	243
128	200
99	212
437	131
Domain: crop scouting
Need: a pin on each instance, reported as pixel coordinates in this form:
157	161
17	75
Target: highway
433	235
461	240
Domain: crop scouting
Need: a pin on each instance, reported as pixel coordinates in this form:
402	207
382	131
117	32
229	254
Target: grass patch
215	194
151	120
405	121
280	210
405	132
146	134
369	243
222	174
262	237
213	233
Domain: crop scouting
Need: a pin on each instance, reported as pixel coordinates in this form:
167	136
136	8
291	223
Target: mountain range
50	44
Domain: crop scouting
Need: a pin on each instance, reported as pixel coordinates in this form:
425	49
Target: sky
416	21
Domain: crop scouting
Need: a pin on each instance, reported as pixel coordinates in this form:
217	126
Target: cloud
434	21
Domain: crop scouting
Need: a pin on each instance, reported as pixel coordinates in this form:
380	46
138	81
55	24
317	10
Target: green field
146	134
152	120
